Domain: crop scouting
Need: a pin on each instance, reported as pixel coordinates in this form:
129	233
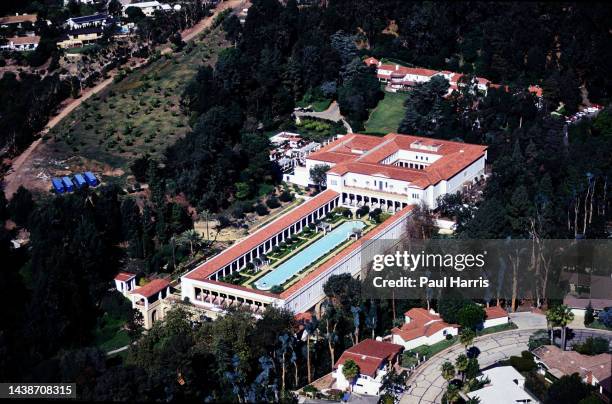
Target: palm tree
461	363
448	371
473	400
310	328
560	316
350	370
192	238
467	337
452	393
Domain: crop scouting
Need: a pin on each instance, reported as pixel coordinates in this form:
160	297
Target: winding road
426	384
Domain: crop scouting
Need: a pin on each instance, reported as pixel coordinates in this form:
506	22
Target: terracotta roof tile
124	276
370	355
495	312
151	288
204	270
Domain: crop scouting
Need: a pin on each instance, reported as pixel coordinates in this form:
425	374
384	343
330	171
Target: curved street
426	384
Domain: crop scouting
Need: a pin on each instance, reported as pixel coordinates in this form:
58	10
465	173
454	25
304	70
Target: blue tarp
68	184
91	178
58	185
80	180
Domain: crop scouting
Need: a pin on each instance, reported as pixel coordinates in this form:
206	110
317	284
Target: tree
466	337
589	315
318	175
448	371
605	317
461	364
350	370
452	393
114	7
471	316
560	316
420	223
567	390
472	369
20	206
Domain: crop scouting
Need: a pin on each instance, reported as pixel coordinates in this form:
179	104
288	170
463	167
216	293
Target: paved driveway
528	321
426	384
332	113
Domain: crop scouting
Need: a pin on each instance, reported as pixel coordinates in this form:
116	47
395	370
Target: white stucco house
495	316
374	358
125	282
422	327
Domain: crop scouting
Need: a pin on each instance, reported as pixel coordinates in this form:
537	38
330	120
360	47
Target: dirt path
16	175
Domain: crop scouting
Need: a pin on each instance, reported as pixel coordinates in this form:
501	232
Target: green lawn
317	105
430	350
497	328
387	115
110	335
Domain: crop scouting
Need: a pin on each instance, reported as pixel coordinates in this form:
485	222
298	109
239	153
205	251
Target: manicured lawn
387	115
110	334
497	328
317	105
430	350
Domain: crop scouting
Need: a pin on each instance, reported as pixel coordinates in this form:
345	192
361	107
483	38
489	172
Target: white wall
495	321
424	340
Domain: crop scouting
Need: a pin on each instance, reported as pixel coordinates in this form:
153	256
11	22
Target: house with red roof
374	359
125	282
422	327
398	77
495	315
149	299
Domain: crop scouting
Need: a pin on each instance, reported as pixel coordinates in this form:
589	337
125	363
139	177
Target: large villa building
393	171
398	77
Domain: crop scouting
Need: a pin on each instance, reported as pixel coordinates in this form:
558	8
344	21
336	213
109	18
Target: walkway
426	384
332	113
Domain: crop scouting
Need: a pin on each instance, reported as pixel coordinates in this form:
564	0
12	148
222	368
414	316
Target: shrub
286	196
261	210
592	346
522	364
362	211
272	202
605	317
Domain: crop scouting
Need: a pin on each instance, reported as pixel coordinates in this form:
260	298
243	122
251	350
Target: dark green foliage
567	390
522	364
471	315
20	206
605	316
589	315
286	196
261	209
593	346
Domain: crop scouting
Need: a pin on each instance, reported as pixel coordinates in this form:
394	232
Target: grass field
139	114
387	115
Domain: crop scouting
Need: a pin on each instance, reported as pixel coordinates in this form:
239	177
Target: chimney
396	67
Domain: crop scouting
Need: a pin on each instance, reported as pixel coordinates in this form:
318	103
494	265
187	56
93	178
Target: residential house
81	37
495	315
95	20
148	8
595	370
148	299
585	289
374	358
505	384
17	21
422	327
21	43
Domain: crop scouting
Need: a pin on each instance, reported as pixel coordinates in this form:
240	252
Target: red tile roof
371	61
423	323
204	270
455	156
151	288
370	355
495	312
321	269
24	40
15	19
124	276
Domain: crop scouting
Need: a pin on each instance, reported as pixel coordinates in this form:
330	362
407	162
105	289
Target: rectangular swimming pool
310	254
